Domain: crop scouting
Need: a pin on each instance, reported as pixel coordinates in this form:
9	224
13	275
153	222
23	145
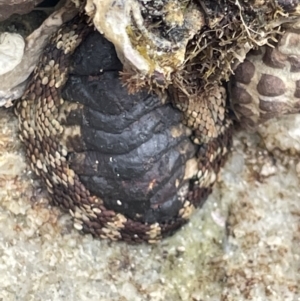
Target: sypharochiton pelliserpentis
123	165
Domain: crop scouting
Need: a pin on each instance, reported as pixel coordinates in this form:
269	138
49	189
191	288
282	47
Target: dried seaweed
230	30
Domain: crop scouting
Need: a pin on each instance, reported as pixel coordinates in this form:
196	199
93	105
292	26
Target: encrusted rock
9	7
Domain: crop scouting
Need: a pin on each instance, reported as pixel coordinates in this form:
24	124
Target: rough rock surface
11	51
9	7
14	80
256	257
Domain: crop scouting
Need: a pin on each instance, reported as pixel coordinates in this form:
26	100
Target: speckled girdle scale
51	130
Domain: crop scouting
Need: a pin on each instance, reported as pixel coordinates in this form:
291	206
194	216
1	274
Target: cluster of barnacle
160	36
197	44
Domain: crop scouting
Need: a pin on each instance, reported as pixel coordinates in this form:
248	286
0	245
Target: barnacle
189	44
